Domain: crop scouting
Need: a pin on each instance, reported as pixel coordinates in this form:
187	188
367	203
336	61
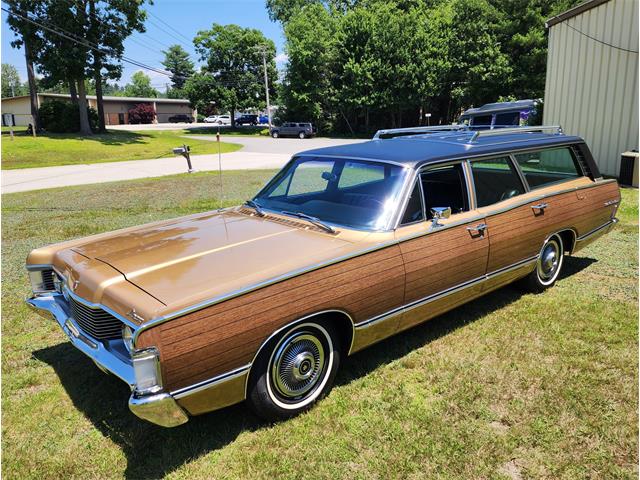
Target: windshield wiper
256	207
314	220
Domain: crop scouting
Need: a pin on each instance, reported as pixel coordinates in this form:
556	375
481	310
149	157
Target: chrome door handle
540	206
610	202
481	227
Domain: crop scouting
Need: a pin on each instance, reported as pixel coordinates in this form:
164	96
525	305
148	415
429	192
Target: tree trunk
233	116
97	67
73	91
85	126
33	93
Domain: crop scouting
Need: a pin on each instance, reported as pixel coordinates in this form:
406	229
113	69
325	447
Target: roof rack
398	132
501	131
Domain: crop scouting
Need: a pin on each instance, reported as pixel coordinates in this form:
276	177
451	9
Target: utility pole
263	50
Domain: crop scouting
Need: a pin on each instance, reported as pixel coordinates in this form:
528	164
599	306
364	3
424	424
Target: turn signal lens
147	371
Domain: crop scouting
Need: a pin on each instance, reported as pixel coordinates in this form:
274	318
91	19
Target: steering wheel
509	194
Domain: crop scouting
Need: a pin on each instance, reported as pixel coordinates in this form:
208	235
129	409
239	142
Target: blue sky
186	16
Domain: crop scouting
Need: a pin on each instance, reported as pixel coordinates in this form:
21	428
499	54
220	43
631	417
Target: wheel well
568	240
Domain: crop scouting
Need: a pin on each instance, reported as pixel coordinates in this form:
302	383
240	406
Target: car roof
417	150
500	107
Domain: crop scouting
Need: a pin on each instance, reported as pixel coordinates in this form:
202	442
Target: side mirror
329	177
439	213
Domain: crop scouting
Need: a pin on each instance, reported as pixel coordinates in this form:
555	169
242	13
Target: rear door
445	261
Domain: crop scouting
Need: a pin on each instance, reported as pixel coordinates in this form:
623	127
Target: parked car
211	119
345	246
500	115
293	129
247	119
180	118
263	119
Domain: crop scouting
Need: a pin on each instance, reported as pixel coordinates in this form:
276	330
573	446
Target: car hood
201	257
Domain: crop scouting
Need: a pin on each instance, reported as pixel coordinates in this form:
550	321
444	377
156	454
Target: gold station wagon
344	247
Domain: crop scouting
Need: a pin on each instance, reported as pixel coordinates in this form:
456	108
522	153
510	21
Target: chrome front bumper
112	357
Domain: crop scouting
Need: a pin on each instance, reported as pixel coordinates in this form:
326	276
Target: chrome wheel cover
549	261
297	365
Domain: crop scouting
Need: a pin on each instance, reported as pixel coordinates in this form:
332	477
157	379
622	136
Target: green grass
245	131
511	385
7	130
115	146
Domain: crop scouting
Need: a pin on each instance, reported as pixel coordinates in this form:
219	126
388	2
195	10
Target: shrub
142	113
58	116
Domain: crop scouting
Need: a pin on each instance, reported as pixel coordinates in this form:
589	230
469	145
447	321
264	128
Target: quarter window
495	180
413	213
548	166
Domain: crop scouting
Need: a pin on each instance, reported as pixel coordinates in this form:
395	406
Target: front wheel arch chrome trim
291	325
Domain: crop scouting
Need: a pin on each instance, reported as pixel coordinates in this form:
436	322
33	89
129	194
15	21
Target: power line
170	26
600	41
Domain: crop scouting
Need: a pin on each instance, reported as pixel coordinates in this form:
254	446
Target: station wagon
344	247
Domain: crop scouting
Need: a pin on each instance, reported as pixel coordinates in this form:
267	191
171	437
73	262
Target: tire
275	134
298	370
301	135
548	266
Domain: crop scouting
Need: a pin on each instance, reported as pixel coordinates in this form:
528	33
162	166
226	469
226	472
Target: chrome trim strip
39	266
445	293
203	385
348	157
442	227
586	236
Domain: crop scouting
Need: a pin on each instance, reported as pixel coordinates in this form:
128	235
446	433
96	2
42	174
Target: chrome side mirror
438	213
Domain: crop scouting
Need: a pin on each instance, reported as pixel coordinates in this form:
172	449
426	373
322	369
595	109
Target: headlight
127	337
41	280
146	367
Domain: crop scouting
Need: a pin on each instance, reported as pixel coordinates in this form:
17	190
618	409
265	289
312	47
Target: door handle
480	228
610	202
540	206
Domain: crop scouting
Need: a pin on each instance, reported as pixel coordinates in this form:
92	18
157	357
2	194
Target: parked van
501	114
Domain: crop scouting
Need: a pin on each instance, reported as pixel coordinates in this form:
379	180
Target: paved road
257	153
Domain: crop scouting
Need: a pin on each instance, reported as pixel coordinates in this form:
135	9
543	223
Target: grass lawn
69	149
509	386
244	131
7	130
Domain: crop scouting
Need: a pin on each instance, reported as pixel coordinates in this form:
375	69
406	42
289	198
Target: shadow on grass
110	138
153	451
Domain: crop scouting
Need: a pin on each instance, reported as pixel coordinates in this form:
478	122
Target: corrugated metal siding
592	88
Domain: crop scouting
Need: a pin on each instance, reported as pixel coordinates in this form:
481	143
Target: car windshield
352	193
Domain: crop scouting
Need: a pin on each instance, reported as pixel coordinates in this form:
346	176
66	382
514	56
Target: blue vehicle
500	115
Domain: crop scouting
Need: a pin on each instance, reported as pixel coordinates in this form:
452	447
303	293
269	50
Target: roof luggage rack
557	129
401	132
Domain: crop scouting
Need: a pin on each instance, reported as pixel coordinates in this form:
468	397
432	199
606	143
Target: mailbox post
184	150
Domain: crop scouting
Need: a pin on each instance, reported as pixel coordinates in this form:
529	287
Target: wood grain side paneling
227	335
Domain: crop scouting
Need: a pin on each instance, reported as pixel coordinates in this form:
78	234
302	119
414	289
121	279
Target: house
17	110
592	77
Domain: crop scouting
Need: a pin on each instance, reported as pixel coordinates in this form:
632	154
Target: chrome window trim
424	218
349	157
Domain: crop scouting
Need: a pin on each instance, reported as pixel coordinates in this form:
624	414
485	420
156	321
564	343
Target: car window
413	211
481	120
495	180
356	173
510	118
445	187
548	166
310	177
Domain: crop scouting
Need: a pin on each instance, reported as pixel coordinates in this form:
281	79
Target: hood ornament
135	316
75	285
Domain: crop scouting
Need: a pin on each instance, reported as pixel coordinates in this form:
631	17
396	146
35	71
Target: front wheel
548	266
274	134
301	135
295	373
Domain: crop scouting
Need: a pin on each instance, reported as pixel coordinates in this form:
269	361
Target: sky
185	16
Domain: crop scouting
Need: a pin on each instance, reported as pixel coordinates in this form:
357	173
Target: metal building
592	77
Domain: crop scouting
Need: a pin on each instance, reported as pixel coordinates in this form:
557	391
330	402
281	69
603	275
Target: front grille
47	280
95	321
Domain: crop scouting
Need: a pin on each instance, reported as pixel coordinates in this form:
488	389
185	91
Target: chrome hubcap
298	364
548	261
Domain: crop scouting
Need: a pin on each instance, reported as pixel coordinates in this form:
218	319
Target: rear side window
481	120
495	180
511	118
548	166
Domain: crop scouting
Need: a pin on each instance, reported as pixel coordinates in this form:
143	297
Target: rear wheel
290	377
275	134
301	135
548	266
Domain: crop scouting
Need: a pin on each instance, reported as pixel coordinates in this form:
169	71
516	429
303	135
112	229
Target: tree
140	86
233	57
27	37
11	85
177	61
142	113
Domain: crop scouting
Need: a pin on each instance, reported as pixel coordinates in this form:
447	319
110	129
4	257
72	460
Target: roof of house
572	12
416	150
109	98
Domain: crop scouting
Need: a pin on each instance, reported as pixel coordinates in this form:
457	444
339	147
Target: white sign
427	115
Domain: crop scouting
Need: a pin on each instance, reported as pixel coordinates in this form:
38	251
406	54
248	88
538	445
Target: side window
481	120
548	166
310	177
510	118
495	180
413	213
445	187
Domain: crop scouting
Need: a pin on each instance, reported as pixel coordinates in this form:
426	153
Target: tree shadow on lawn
153	451
112	137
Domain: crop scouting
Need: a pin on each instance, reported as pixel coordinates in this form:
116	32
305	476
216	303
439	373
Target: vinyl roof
416	150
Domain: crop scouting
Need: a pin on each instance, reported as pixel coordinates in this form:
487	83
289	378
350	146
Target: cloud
282	58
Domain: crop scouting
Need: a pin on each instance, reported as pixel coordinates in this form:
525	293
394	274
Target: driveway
257	153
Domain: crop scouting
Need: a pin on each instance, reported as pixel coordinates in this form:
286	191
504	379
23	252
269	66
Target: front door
445	260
